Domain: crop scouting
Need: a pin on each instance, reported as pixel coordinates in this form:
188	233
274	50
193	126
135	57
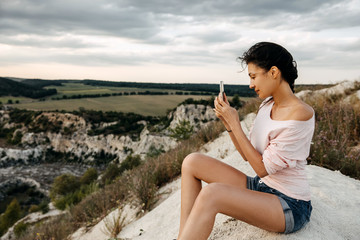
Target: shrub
110	173
142	185
20	229
89	176
210	132
64	184
65	201
34	208
57	228
182	131
337	131
74	198
11	215
236	102
96	205
154	152
44	206
115	223
129	163
103	158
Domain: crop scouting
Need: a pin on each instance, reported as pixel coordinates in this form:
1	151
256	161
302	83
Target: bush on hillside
337	132
154	151
73	198
129	163
11	215
20	229
98	204
57	228
63	185
89	176
182	131
110	173
142	185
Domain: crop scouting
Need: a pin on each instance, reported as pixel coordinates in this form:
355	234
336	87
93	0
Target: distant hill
231	90
40	83
33	88
14	88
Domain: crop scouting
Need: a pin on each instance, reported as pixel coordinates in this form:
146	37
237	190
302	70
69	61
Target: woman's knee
189	162
208	198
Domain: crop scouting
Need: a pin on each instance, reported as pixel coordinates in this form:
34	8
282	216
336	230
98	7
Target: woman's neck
283	96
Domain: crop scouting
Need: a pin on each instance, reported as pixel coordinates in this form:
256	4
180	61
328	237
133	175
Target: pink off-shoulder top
284	146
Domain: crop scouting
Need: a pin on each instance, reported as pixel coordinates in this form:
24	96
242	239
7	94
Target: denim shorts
297	212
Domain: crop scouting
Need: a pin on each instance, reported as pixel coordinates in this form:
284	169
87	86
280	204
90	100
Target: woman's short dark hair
267	54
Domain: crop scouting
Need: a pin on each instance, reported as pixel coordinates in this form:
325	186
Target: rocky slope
83	146
39	156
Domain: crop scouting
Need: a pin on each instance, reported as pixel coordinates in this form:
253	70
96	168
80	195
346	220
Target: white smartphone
222	88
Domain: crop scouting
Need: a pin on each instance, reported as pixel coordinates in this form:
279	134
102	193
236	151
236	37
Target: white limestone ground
335	200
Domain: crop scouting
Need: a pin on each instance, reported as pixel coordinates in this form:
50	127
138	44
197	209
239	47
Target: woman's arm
236	144
231	121
231	133
248	150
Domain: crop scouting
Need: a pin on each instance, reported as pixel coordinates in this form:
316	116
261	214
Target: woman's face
261	81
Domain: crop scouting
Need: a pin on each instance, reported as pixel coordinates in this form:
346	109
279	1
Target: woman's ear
275	72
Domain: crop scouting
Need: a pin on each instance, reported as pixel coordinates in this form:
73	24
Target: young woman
278	198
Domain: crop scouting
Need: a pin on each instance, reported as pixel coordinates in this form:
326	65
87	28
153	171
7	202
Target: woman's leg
197	167
259	209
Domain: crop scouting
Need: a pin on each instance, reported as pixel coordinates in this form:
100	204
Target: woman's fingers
217	103
225	99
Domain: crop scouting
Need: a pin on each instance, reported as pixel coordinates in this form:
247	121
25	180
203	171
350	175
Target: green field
149	105
5	99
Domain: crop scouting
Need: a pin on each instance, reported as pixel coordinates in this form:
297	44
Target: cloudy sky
175	40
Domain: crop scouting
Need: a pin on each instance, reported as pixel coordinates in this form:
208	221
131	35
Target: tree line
14	88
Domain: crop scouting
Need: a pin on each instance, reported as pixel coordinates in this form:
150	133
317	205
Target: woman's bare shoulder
302	112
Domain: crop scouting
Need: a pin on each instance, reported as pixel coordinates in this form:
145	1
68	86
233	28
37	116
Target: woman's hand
227	114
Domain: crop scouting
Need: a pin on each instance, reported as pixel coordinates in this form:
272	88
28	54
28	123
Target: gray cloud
87	17
140	19
226	8
218	36
158	22
47	42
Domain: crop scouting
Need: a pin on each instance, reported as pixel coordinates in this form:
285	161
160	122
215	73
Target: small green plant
43	207
144	188
182	131
75	197
89	176
20	229
110	173
64	184
130	162
236	102
154	152
114	223
11	215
